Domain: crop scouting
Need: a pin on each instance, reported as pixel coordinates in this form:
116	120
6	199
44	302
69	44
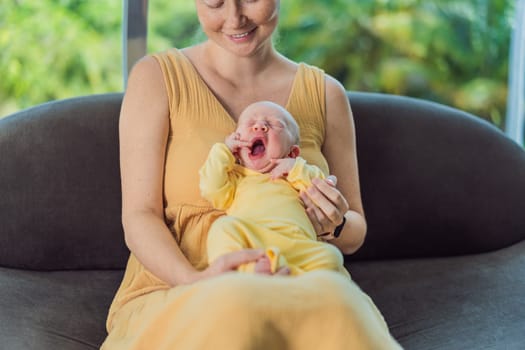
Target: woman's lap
320	309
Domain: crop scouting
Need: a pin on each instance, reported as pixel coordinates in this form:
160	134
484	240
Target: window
452	52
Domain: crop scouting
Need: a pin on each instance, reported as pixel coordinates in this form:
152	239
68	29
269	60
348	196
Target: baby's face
267	129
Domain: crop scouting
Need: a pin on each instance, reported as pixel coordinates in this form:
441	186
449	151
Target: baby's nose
260	127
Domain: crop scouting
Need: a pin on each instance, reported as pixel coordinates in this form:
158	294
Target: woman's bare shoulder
146	79
145	69
334	88
337	104
146	93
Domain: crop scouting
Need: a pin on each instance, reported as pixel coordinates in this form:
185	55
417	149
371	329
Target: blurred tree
450	51
453	52
57	49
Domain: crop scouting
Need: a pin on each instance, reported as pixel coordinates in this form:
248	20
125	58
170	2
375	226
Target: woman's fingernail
332	179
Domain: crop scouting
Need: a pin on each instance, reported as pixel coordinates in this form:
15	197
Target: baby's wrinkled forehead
264	112
263	117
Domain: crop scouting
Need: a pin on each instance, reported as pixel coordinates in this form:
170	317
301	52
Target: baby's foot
263	266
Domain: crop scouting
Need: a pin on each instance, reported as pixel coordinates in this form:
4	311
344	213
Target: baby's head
272	132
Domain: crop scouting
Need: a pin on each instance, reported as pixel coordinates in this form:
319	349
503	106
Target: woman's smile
242	37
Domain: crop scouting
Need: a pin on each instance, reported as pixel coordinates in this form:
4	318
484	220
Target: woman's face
239	26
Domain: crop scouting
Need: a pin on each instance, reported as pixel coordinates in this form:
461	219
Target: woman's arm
339	150
143	133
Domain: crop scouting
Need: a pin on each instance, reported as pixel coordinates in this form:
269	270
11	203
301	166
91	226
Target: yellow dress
317	310
264	213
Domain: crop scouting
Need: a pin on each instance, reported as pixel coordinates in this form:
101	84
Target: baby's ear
294	152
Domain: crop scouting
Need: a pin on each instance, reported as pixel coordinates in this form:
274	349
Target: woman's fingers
231	261
325	206
313	213
332	180
329	192
235	259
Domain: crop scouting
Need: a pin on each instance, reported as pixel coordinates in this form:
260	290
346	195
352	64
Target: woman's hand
230	262
325	206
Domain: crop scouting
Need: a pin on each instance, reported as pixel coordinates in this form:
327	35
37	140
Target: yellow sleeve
217	181
302	174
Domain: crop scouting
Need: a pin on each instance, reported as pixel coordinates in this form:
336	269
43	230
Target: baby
256	176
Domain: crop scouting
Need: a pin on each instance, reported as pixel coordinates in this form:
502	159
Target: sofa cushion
60	186
45	310
435	181
467	302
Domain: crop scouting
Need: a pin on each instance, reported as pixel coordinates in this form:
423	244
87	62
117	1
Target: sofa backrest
60	186
435	181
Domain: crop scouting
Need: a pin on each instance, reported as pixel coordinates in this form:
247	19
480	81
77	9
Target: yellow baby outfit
316	310
264	213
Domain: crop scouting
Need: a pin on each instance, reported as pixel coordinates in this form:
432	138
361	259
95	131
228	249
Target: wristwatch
338	229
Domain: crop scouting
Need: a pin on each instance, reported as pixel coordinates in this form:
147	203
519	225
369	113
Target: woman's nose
234	14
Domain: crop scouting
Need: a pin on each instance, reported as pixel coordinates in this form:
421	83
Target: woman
179	103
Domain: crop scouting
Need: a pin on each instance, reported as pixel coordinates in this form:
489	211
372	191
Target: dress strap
308	92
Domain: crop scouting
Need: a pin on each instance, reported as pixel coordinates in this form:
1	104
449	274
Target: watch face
339	228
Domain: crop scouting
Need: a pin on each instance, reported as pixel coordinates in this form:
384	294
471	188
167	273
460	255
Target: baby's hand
282	167
234	143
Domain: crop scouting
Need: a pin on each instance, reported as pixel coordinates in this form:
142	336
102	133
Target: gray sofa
444	194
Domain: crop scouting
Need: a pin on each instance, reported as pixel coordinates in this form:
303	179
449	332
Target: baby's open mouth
258	148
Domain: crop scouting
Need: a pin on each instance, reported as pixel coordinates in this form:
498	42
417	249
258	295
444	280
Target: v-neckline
218	102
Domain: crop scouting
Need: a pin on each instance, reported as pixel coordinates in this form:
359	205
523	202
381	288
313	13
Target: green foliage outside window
450	51
55	49
453	52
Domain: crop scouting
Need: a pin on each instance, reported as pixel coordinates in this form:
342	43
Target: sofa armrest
60	186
